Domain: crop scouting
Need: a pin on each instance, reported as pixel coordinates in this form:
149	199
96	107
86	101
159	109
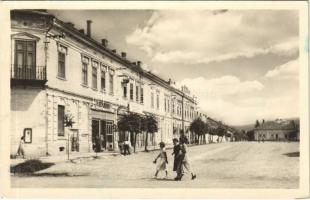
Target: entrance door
25	59
107	132
75	141
95	134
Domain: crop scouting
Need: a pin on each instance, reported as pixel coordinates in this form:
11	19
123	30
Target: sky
242	65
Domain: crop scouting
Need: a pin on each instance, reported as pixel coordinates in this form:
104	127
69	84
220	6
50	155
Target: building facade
60	74
278	130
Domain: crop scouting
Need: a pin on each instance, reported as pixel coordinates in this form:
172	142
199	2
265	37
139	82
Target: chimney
70	24
88	33
81	31
169	81
123	55
104	42
139	63
114	51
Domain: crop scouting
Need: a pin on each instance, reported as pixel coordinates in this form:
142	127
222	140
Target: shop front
103	129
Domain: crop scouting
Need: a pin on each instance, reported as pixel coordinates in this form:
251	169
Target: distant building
277	130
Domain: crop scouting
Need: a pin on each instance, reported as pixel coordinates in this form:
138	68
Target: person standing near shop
21	151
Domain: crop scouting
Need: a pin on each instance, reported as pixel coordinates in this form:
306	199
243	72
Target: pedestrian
184	161
176	153
163	160
120	146
21	151
126	147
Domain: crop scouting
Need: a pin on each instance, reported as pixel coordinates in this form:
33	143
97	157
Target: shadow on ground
292	154
29	167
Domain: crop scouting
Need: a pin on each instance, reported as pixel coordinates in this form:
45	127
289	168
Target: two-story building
60	74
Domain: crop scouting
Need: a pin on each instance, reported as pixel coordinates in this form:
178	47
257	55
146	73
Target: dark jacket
176	151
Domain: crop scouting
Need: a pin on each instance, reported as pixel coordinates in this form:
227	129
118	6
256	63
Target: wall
28	111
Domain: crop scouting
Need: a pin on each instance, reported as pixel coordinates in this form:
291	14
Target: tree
257	124
150	125
131	122
198	127
250	135
206	131
220	131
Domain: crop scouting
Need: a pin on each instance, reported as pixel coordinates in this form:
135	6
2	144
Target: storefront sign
101	105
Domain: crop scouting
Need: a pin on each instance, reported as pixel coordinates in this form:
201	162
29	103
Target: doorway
102	135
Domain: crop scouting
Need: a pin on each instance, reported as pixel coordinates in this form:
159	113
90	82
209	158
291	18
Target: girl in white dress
163	160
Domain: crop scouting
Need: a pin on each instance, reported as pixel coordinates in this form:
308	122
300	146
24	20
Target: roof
74	32
279	125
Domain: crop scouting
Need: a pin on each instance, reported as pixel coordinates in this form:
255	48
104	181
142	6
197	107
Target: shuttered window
61	120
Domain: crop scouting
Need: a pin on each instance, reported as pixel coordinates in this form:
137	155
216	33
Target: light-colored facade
58	71
278	130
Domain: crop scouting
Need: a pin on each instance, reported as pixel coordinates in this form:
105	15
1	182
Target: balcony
28	75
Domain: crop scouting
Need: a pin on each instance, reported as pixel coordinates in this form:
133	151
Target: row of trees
199	129
147	124
135	124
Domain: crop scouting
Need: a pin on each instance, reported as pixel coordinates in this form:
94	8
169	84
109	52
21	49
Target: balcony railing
28	74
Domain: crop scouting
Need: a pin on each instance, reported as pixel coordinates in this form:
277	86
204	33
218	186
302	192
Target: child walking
163	160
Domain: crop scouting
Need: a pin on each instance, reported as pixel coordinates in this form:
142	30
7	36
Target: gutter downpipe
46	96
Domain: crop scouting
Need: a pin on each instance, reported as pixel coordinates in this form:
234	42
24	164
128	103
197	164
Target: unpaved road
225	165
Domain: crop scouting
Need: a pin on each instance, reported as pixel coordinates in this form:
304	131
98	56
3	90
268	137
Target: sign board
101	105
28	135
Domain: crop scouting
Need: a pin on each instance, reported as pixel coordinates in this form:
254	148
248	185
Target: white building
58	71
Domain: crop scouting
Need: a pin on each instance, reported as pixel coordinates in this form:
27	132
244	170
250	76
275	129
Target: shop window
61	120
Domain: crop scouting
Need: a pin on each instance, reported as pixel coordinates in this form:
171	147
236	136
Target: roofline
97	46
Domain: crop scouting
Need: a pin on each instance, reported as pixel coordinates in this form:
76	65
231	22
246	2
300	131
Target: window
172	106
137	93
25	57
141	95
103	79
125	91
111	81
94	75
61	120
157	101
152	100
61	65
165	105
85	62
168	105
131	91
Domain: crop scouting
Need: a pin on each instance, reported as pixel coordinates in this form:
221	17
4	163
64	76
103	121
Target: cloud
204	36
237	102
223	86
286	71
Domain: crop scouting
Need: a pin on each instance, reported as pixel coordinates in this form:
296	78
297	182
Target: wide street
224	165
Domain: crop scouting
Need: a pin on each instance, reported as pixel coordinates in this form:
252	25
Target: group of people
181	159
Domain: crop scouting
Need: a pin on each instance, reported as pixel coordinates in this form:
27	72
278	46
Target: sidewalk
63	158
